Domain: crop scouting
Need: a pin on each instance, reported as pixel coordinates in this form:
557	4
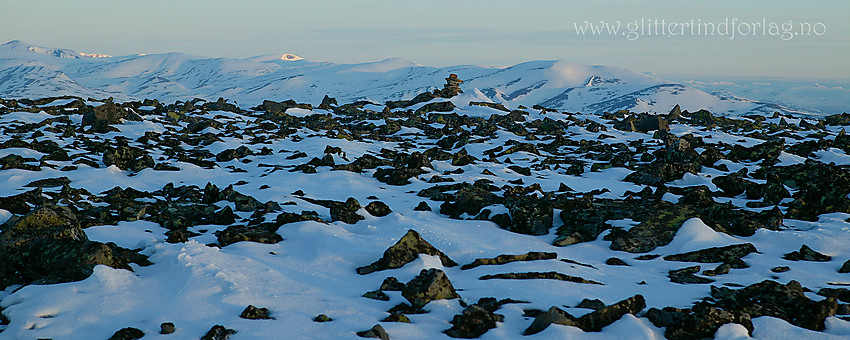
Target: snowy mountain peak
596	80
275	57
21	46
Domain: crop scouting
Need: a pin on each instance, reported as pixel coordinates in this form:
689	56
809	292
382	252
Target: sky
659	37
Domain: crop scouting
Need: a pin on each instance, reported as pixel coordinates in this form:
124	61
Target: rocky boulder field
418	219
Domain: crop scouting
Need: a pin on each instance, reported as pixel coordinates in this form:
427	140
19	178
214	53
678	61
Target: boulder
405	251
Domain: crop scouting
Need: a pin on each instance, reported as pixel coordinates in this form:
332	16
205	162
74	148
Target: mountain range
31	71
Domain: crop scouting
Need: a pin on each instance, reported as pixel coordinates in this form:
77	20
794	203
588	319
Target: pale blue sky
442	32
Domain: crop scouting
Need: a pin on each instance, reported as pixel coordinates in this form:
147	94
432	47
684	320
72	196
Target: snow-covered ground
195	284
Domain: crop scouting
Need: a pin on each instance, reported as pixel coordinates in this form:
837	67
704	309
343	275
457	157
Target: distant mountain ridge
32	71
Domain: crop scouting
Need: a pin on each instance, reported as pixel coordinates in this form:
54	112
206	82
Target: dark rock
473	322
322	318
430	284
127	158
218	332
726	254
375	332
538	275
807	254
346	211
128	333
780	269
378	209
594	304
721	269
697	323
391	284
595	321
769	298
49	182
686	275
553	315
842	294
48	246
502	259
254	313
422	206
405	251
396	317
613	261
167	328
376	295
845	268
237	233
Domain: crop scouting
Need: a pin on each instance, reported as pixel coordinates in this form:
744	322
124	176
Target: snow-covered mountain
32	71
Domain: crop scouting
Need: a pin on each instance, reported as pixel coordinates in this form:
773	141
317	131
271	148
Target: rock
502	259
842	294
405	251
445	106
422	206
686	275
769	298
780	269
49	182
396	317
167	328
594	304
721	269
346	211
237	233
807	254
539	275
375	332
473	322
322	318
128	333
218	332
595	321
254	313
430	284
490	105
128	158
48	246
327	102
376	295
378	209
391	284
613	261
725	254
697	323
553	315
845	268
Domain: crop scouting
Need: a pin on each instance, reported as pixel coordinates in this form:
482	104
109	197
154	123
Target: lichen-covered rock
253	313
376	331
430	284
405	251
473	322
502	259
